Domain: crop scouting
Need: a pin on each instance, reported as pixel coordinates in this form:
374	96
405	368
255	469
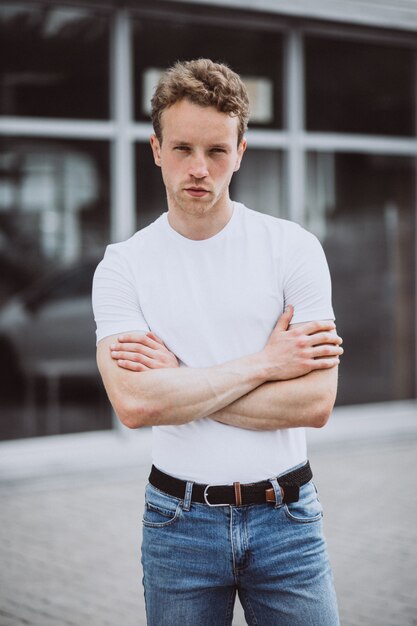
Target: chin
195	207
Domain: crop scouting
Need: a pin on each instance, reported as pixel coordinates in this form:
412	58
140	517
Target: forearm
177	395
146	389
304	401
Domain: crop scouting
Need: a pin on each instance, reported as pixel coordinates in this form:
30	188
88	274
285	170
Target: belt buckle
206	500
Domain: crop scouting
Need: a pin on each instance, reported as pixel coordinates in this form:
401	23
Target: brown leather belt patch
238	494
270	495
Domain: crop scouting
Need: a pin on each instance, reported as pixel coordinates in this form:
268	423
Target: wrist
261	369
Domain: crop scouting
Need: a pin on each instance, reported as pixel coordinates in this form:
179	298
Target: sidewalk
71	522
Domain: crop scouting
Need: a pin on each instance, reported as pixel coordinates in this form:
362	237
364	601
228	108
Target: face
198	156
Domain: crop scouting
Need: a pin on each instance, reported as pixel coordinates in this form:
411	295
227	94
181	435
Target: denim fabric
273	556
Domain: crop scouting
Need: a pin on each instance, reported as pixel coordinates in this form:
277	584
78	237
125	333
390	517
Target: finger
324	363
148	340
130	350
325	338
145	356
141	340
327	350
285	319
130	365
131	337
130	346
312	328
155	338
152	343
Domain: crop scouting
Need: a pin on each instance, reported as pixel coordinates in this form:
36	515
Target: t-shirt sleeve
115	300
307	284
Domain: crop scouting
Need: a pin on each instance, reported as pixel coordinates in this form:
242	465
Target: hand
138	352
296	351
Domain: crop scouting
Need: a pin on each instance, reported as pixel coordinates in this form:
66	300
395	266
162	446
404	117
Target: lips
196	192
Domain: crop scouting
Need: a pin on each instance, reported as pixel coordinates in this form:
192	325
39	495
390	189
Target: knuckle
301	342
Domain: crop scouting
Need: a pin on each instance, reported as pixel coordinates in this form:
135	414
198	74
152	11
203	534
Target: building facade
332	145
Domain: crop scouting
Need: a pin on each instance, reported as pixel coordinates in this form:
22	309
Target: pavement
71	508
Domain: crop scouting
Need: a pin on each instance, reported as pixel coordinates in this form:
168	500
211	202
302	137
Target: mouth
196	192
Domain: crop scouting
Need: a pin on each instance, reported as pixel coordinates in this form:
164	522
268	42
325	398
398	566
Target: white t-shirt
212	301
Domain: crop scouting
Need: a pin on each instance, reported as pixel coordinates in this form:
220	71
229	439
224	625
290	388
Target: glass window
54	62
356	87
150	191
54	225
246	51
363	209
259	183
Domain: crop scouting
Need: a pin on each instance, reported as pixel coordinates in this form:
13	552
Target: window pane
54	224
150	191
244	50
259	183
356	87
363	209
53	62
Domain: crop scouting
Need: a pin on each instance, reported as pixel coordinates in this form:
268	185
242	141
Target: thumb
285	318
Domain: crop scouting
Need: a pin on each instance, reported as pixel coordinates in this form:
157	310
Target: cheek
226	173
223	169
170	171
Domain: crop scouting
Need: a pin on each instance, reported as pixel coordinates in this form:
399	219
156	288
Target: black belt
236	494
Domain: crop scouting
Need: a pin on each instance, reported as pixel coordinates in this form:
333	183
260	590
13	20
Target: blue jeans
195	558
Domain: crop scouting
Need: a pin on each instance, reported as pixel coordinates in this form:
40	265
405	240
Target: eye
218	150
182	148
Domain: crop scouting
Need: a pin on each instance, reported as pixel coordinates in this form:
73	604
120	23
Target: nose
198	166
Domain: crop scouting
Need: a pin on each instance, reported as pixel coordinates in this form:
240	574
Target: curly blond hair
205	83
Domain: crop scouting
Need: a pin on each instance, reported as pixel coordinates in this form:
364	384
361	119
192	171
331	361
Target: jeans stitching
305	520
169	521
232	545
301	520
247	606
229	608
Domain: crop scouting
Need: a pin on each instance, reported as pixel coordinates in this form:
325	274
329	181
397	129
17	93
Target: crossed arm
291	382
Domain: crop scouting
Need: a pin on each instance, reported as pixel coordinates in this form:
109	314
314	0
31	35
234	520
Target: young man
215	326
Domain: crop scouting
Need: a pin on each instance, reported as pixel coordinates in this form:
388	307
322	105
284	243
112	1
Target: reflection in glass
53	61
243	49
363	209
356	87
54	224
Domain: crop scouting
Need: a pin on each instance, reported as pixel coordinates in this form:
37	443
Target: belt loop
277	491
188	495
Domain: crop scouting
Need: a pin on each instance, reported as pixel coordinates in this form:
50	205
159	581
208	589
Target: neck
200	225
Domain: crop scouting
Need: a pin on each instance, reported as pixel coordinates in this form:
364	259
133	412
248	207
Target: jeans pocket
160	509
308	508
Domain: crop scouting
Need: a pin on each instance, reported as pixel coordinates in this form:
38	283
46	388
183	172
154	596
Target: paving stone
69	551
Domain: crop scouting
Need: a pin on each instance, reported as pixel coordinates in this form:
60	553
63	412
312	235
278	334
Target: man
215	326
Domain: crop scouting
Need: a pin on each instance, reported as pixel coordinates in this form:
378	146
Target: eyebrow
219	144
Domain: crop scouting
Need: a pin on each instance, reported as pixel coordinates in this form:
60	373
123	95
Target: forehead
186	121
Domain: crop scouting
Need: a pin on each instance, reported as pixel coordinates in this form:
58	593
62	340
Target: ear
156	150
240	152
